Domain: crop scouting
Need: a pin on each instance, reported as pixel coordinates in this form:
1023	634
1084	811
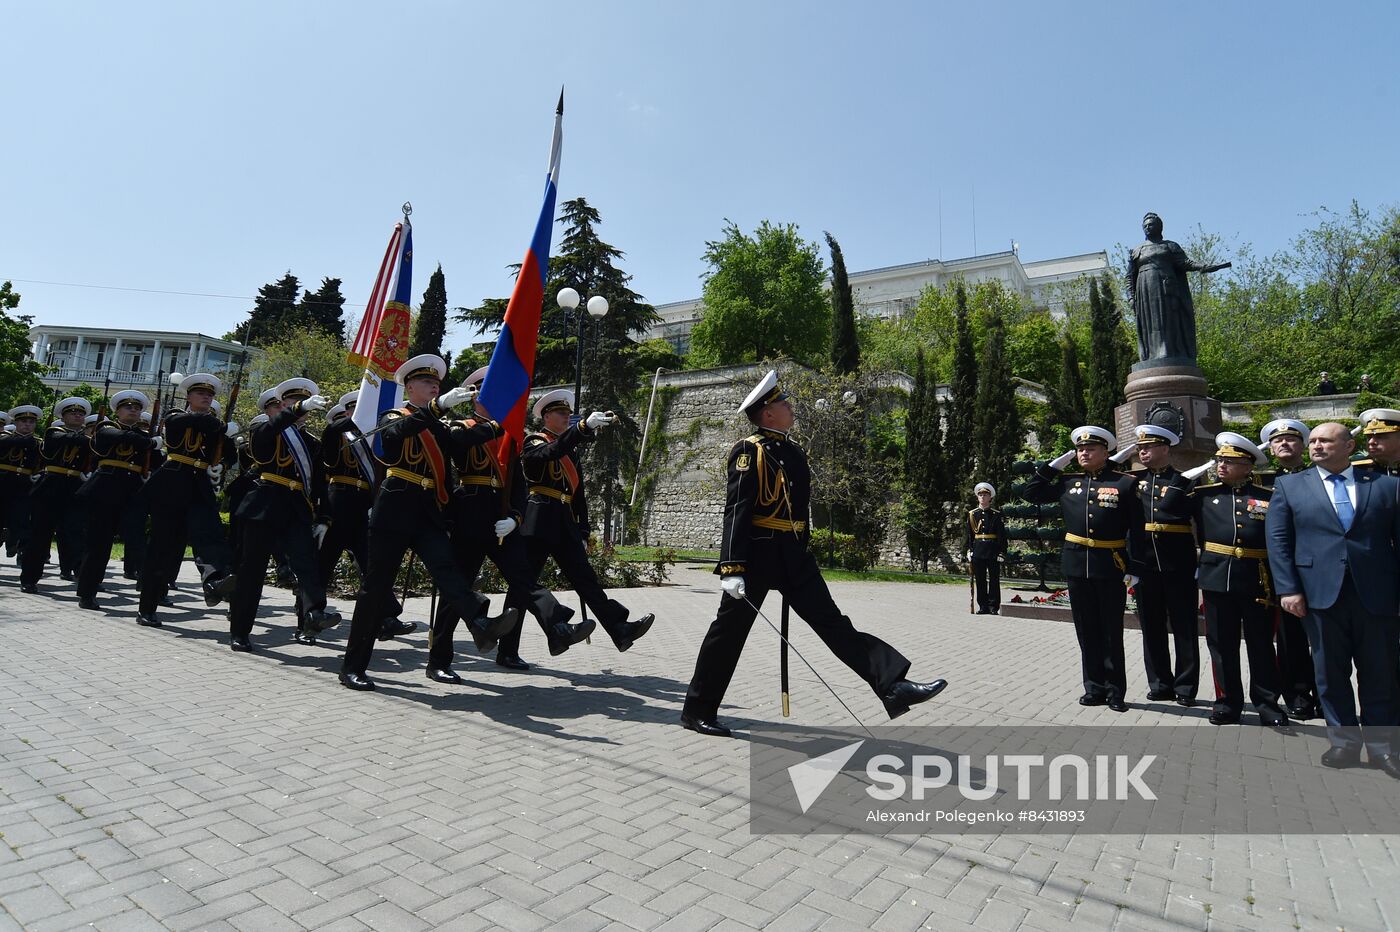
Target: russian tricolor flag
505	391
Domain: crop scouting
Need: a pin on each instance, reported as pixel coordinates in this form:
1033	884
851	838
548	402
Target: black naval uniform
183	508
278	511
1166	590
410	511
1234	581
556	525
984	536
136	513
344	507
19	462
765	540
1103	529
475	508
1379	469
107	496
1297	677
65	456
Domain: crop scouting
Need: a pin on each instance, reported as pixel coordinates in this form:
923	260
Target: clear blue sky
210	147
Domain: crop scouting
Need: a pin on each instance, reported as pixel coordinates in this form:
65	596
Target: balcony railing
96	377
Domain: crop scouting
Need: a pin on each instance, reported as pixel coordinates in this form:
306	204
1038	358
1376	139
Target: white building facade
893	290
129	358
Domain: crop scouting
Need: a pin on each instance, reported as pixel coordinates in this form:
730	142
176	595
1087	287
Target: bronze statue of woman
1161	296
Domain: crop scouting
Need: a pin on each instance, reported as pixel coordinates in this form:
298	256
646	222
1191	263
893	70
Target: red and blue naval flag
505	392
381	344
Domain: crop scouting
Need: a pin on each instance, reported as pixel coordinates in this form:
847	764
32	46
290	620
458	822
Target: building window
135	358
100	352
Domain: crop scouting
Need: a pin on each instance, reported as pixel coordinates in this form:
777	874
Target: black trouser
14	511
1295	661
348	530
289	529
1228	616
1097	606
52	509
133	533
472	544
195	521
1167	599
791	569
376	597
572	559
988	576
1344	634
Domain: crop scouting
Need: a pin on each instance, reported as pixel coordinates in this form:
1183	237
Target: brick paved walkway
154	779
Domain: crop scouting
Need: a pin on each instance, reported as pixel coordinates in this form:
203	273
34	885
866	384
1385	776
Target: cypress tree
845	346
432	317
964	393
323	309
925	472
1107	364
997	427
1067	398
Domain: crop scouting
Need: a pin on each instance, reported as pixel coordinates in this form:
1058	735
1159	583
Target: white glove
315	403
232	429
216	472
1130	580
1060	462
733	586
969	556
1197	472
599	419
1122	456
318	532
157	442
505	526
87	476
456	397
36	477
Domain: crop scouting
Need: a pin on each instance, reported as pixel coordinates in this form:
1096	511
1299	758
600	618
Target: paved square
154	779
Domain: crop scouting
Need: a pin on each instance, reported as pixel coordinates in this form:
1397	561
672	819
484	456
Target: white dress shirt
1348	479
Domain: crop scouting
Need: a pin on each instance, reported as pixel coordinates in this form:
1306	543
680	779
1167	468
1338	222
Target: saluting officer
1381	429
765	548
1166	571
984	539
182	503
121	447
19	464
1234	581
64	456
556	515
1286	439
410	512
1103	530
484	526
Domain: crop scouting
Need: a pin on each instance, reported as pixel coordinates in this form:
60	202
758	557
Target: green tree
20	372
431	325
925	476
274	308
845	346
307	353
1067	393
762	298
1109	360
997	432
963	390
322	309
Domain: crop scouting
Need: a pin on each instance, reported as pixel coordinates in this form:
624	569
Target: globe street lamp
569	299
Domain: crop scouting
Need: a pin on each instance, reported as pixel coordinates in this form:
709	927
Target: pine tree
1107	366
432	317
845	346
997	430
274	309
925	471
964	392
323	309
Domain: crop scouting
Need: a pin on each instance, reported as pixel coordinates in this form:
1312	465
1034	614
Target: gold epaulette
1210	485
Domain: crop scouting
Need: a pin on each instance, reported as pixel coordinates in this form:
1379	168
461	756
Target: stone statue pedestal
1171	396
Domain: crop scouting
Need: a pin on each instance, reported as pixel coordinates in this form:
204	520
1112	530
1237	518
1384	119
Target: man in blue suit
1334	548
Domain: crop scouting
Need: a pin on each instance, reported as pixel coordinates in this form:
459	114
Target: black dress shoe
1389	763
356	681
322	619
1273	718
511	662
438	675
705	726
1224	717
304	636
995	611
1186	702
148	620
31	588
983	611
218	588
68	575
1160	695
486	632
1341	758
904	695
394	627
90	604
1302	711
1117	705
1088	699
240	643
630	632
566	635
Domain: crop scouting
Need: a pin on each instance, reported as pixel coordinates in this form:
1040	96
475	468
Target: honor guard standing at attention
984	539
121	447
1286	440
409	512
1380	428
485	526
64	457
765	548
281	509
181	498
1166	571
1103	530
1234	580
556	515
19	465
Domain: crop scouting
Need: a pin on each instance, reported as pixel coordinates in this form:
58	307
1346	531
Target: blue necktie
1345	513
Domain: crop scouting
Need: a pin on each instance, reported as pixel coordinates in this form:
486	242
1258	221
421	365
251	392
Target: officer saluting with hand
984	539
